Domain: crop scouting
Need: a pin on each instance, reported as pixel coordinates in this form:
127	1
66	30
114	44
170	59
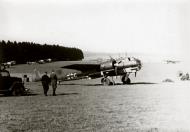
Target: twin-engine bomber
114	67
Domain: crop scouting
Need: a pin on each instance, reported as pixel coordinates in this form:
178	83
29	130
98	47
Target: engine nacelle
107	66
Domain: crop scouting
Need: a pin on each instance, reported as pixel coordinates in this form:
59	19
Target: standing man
53	77
187	76
45	83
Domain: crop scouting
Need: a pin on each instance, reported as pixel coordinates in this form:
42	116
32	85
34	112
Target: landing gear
106	81
125	79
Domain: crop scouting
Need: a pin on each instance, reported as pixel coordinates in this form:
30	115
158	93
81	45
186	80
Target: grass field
85	105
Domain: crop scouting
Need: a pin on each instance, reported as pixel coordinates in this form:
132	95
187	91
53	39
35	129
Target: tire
128	81
17	90
102	80
125	80
105	81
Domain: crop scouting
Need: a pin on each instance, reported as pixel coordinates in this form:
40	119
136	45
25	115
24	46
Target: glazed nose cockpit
128	62
139	64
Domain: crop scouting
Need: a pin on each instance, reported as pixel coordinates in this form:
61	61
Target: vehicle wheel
18	90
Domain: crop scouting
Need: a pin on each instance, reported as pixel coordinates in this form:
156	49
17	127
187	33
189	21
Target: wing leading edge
84	67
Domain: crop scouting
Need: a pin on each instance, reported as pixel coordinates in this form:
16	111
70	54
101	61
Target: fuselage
118	67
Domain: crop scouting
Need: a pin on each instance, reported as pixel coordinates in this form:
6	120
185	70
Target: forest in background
22	52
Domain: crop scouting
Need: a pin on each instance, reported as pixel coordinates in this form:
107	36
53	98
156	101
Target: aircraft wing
84	67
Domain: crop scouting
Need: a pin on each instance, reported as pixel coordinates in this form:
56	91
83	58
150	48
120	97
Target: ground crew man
53	77
45	83
187	76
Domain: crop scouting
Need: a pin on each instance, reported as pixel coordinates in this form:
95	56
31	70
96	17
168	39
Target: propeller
139	66
139	63
113	64
115	70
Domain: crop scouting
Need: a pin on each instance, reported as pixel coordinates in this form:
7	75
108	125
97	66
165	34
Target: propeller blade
112	60
116	71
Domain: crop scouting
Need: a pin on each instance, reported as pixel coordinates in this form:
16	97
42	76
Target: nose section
138	63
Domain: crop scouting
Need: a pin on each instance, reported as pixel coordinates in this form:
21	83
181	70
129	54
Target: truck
11	86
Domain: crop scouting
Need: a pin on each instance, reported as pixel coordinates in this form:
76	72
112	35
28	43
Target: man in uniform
53	77
45	83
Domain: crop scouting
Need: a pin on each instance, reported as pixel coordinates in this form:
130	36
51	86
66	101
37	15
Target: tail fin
36	76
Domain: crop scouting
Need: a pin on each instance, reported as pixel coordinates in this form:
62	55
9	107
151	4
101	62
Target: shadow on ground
139	83
34	94
31	94
136	83
28	94
67	94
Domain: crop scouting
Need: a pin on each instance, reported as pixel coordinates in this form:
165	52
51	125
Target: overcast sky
148	26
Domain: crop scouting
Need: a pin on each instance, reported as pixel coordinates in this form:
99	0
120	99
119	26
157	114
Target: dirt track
84	105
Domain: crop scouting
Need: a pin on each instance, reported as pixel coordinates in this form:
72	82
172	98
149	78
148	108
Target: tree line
22	52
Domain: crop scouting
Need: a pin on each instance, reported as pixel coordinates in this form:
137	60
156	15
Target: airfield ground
147	104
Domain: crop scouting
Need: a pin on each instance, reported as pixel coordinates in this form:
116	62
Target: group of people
46	80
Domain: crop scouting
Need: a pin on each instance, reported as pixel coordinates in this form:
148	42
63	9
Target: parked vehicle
11	85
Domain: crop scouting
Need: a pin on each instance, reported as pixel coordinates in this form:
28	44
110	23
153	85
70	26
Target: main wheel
126	80
105	81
